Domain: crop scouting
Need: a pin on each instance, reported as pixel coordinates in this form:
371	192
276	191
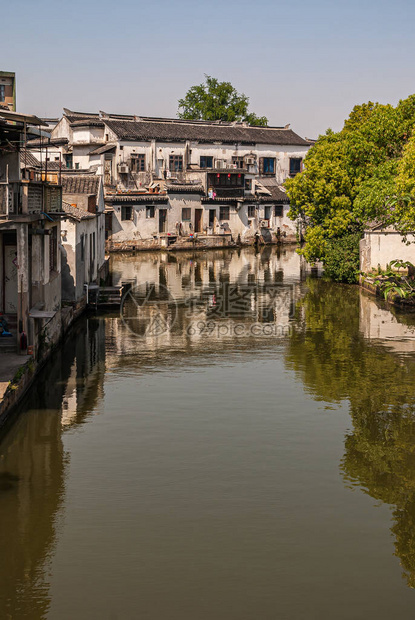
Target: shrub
341	261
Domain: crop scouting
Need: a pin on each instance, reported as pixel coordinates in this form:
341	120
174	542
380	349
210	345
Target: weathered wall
378	248
157	155
240	222
81	267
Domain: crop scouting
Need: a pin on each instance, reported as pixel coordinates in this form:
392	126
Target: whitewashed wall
379	248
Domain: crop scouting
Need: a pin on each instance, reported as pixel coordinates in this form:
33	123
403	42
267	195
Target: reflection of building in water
33	465
395	331
178	300
85	382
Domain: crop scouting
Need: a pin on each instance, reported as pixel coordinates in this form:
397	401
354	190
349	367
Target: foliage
14	383
336	363
341	261
363	173
394	283
214	100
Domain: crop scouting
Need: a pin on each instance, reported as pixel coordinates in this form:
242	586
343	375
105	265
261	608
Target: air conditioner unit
123	168
219	164
250	161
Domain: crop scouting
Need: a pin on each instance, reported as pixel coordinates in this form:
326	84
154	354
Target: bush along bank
341	259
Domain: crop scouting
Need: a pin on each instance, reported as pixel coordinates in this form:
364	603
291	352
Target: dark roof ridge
187	121
138	130
69	112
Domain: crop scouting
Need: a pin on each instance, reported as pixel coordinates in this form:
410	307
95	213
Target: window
224	213
238	161
206	161
279	210
186	214
2	92
150	212
82	248
176	163
138	162
267	165
227	180
295	165
251	210
126	213
77	166
56	158
69	160
248	185
53	249
94	245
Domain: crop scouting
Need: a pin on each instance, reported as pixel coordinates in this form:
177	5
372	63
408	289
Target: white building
174	178
82	235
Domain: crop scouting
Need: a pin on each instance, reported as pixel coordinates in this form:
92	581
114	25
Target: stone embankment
18	372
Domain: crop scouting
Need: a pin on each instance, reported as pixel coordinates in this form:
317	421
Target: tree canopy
363	173
214	100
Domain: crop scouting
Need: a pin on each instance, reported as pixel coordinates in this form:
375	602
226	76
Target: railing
29	197
4	199
229	192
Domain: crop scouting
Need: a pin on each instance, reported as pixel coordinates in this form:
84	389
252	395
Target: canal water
237	442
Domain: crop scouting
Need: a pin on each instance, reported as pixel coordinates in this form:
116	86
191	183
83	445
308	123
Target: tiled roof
80	183
87	122
29	160
47	142
277	191
103	149
80	116
182	188
33	162
76	213
53	166
202	132
136	198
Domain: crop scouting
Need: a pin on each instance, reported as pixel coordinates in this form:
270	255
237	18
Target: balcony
28	198
229	192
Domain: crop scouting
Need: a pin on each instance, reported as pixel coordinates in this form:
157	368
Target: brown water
220	451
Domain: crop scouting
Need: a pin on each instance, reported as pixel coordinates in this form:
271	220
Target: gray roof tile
80	183
202	132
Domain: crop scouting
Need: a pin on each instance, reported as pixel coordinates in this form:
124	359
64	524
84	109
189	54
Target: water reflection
195	302
33	465
342	349
345	347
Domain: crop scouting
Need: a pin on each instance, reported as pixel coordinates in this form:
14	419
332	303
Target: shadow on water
33	466
331	350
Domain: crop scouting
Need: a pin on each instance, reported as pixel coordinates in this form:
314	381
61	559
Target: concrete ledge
22	372
200	243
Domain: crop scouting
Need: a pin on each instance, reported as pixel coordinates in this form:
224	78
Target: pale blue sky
300	62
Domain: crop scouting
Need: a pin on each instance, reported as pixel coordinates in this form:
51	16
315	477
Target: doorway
212	219
198	220
162	220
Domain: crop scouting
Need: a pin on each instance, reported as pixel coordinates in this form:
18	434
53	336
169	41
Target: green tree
362	173
214	100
